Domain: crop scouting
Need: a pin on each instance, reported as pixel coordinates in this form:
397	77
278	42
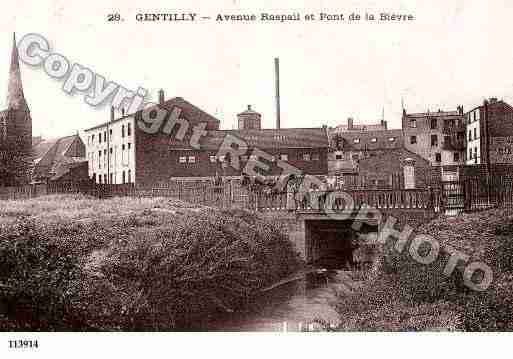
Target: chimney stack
277	89
112	115
350	123
161	96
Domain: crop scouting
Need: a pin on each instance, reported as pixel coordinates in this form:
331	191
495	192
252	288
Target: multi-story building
438	137
124	151
489	132
372	156
110	150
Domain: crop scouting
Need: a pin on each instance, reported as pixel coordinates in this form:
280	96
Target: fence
485	192
470	194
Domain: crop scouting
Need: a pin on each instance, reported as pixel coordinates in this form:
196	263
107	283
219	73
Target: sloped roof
62	169
192	112
370	140
49	154
270	138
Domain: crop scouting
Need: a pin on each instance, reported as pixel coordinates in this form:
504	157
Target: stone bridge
322	225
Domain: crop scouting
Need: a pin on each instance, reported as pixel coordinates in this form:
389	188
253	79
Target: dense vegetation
131	264
409	296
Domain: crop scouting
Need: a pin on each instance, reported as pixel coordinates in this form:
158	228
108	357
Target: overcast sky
455	52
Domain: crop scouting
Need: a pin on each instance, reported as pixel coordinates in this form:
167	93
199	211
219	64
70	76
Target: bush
35	278
151	270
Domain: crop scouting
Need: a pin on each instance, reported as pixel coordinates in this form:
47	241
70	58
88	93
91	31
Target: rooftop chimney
161	96
350	123
277	89
493	99
112	115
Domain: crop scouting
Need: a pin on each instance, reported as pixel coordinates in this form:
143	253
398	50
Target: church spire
15	97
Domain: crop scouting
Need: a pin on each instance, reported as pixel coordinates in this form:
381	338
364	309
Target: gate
453	197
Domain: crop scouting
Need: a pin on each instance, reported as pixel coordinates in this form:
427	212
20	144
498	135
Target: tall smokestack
277	86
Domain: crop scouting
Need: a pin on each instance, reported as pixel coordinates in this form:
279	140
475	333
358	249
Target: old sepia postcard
304	170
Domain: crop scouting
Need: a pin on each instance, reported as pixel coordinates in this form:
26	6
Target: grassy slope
142	263
407	296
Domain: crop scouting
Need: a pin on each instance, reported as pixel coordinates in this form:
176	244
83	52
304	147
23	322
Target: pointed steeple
15	96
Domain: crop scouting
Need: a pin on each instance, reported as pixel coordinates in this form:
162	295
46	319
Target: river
294	306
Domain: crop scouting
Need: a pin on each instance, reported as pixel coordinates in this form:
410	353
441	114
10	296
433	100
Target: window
100	139
100	159
434	140
111	178
123	147
123	177
110	132
182	159
284	157
129	145
100	179
438	157
433	124
413	123
356	140
212	159
374	139
469	135
104	136
105	178
391	139
470	153
475	133
475	152
92	139
123	132
129	130
192	159
413	140
456	156
110	151
129	176
306	157
338	156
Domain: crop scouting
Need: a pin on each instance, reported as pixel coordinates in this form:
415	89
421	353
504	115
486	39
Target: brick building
130	149
373	156
489	131
438	137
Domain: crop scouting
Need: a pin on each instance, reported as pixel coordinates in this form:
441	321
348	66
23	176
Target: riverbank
408	296
77	263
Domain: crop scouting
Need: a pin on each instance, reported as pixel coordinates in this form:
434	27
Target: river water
297	305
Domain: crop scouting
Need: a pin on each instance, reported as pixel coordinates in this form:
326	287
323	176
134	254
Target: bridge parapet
338	201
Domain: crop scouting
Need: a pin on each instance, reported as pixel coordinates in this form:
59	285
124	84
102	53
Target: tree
15	165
